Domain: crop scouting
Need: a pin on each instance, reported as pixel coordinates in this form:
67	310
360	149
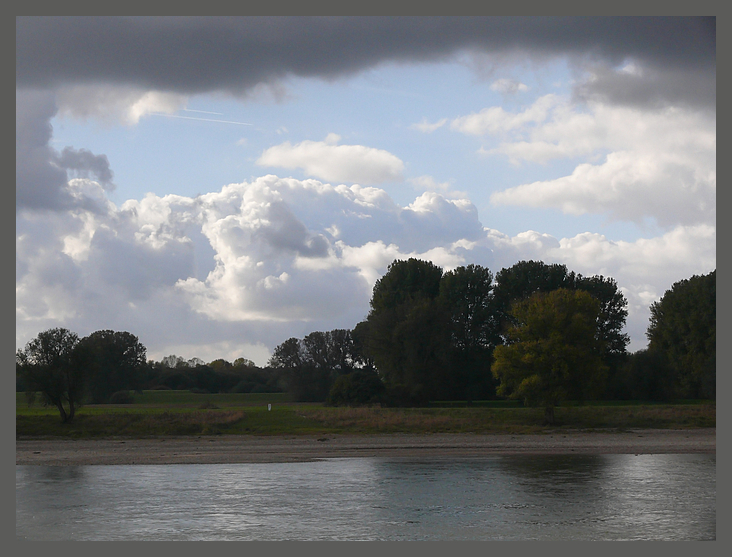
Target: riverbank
229	449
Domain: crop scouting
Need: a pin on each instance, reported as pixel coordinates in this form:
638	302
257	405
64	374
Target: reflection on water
607	497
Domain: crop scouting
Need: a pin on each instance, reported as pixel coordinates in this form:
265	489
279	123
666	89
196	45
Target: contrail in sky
202	119
202	111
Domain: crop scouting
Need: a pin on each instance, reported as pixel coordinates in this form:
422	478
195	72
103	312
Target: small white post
269	407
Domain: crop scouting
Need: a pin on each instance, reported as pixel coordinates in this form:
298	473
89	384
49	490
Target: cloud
42	173
429	184
189	55
649	87
258	262
662	159
658	184
115	103
337	163
495	119
84	163
508	86
426	127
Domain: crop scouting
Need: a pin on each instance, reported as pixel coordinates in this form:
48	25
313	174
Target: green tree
287	355
528	277
115	361
50	366
404	282
645	375
523	279
362	386
466	295
312	364
683	328
403	328
553	350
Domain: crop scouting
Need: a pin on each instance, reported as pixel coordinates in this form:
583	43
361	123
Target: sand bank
243	449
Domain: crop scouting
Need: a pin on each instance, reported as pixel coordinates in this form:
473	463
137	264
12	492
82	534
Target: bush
121	397
359	387
243	387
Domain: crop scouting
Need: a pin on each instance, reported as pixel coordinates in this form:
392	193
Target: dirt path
242	449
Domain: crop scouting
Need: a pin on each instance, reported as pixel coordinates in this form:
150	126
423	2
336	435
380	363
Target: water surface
568	497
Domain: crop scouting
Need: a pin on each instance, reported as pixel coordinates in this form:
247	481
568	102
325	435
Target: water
573	497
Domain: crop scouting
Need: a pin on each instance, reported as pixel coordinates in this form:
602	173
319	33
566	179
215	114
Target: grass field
159	413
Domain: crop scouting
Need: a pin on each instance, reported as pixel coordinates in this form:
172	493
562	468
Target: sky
217	185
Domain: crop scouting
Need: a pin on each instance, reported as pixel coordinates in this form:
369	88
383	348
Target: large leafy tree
116	361
683	329
525	278
403	328
553	350
287	355
466	296
50	365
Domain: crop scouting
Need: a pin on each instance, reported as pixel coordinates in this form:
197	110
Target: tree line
535	332
103	368
433	335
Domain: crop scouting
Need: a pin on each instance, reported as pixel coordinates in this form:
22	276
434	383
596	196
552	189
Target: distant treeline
432	335
429	335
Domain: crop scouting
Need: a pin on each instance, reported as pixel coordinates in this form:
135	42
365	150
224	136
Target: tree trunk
62	412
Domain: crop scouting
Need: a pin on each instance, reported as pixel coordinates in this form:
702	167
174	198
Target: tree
466	295
362	386
315	362
553	350
402	327
645	375
116	361
287	355
683	328
50	366
528	277
404	282
523	279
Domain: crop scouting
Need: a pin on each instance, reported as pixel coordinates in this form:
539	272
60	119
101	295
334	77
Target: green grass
157	413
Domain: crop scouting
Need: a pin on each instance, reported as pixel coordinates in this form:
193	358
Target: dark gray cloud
41	172
39	182
198	54
85	164
651	87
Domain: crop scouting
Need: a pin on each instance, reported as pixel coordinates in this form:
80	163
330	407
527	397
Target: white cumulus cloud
255	263
652	163
508	86
332	162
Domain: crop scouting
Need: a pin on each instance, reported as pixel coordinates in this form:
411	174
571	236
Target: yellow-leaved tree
554	350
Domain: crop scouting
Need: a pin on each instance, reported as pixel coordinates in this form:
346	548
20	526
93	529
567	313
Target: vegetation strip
246	414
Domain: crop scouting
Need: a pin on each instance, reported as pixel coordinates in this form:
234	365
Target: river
550	497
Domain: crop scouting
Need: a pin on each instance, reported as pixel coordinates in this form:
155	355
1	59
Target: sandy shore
242	449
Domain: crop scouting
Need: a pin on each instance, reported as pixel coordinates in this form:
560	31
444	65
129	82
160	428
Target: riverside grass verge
181	413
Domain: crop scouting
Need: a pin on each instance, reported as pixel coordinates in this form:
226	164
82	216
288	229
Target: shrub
121	397
359	387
